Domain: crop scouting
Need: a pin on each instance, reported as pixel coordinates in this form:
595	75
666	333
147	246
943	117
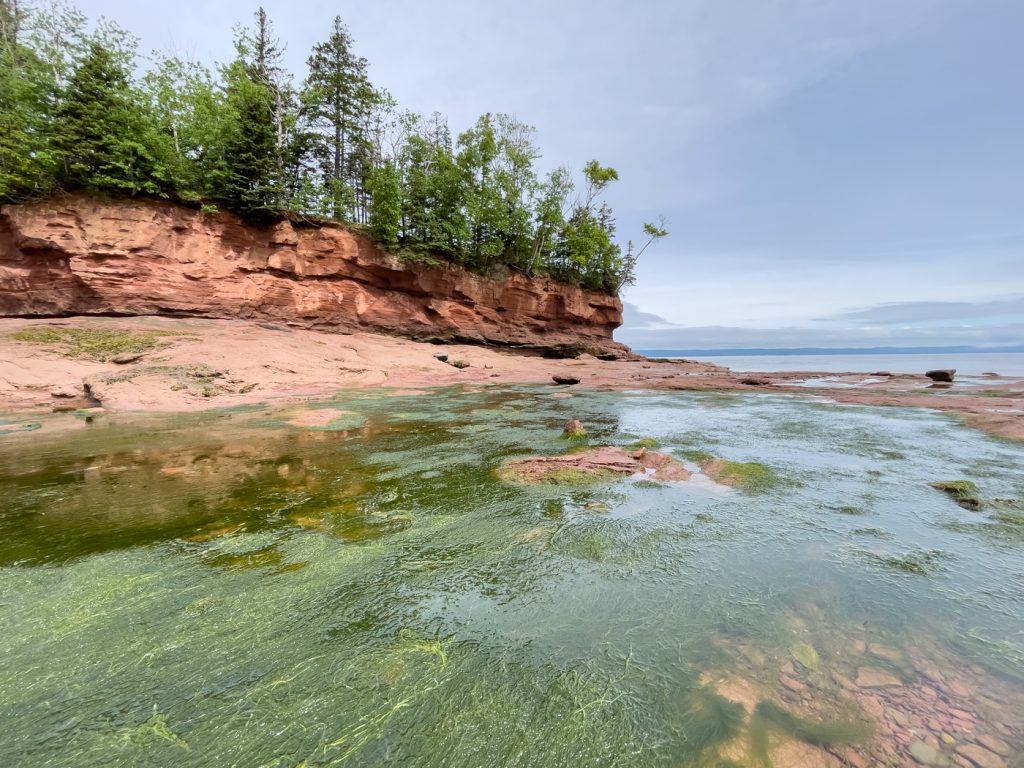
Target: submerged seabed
348	582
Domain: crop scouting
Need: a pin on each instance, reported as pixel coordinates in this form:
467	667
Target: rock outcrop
79	256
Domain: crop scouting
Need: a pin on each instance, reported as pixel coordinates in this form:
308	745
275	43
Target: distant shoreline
772	352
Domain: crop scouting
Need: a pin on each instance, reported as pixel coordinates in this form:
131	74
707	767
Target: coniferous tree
102	135
247	174
338	100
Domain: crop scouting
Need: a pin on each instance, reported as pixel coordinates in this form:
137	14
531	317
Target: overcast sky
837	172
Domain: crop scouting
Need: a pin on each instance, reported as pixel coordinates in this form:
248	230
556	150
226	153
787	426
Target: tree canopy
79	110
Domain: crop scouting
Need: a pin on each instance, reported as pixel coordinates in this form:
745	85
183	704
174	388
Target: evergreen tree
103	136
338	100
246	178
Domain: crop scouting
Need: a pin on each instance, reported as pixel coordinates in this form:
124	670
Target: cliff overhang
77	255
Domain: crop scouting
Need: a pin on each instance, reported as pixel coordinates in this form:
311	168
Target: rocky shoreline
190	364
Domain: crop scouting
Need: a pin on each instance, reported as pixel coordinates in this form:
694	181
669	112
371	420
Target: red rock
792	683
994	744
980	756
873	677
78	255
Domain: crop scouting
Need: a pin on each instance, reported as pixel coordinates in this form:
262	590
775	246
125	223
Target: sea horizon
966	362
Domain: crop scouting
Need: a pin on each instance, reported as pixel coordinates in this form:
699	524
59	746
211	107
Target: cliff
80	256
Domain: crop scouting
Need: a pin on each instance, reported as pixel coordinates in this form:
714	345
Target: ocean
966	363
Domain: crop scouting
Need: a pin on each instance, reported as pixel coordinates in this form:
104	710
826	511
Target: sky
834	173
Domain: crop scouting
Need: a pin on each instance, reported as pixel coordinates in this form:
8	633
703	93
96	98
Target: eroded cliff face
82	256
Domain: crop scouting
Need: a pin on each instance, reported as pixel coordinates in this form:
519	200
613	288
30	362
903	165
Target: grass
98	344
963	492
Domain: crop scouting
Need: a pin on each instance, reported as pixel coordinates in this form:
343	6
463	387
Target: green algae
96	343
963	492
646	442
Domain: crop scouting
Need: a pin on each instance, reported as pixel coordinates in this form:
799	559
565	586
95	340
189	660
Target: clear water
231	589
967	364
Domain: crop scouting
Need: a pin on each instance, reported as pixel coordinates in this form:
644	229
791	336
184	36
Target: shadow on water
350	582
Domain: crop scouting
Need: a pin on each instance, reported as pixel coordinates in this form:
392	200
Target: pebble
792	683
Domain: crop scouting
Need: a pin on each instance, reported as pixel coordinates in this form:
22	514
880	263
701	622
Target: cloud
931	311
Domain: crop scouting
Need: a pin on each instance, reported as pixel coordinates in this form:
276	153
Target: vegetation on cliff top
76	113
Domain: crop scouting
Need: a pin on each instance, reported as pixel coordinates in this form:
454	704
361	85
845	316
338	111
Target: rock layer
80	256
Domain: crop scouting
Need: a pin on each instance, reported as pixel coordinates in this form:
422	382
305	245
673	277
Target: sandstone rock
751	381
590	466
560	379
146	257
441	356
994	744
941	374
980	756
66	391
873	677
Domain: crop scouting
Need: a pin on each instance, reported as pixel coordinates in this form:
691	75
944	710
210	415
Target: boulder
441	356
941	374
560	379
752	381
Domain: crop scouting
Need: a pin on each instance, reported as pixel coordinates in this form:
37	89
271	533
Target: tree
385	190
103	137
246	177
26	96
189	111
337	99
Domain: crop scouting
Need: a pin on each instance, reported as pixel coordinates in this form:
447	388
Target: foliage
76	115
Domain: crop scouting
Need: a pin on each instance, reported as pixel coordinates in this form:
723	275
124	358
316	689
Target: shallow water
232	588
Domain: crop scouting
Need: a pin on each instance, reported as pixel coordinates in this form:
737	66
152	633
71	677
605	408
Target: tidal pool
350	583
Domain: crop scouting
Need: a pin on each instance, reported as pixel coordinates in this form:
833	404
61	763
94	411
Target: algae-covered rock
806	655
963	492
574	430
749	476
591	466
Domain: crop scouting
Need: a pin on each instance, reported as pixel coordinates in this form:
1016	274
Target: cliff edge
77	255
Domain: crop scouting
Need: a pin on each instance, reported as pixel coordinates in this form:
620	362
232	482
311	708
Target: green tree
103	137
384	187
246	177
27	93
337	99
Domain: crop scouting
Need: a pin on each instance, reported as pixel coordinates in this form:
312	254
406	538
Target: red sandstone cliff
82	256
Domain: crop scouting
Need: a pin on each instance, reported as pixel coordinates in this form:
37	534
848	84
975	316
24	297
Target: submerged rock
941	374
928	755
873	677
